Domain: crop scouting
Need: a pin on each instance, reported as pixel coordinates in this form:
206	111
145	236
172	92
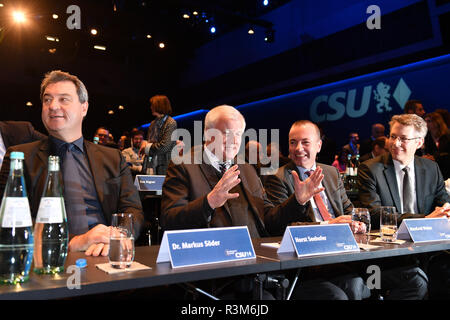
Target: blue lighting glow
213	29
179	117
266	2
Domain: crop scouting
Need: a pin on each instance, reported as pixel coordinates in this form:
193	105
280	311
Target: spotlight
251	31
19	16
29	104
266	2
149	36
103	48
186	16
162	45
55	16
269	35
213	29
94	32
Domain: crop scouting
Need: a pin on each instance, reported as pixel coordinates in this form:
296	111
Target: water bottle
50	231
356	165
16	235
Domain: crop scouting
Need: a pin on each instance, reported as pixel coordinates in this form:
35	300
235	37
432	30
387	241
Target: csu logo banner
380	96
356	103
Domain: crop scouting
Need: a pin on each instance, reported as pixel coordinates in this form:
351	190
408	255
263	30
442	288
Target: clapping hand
305	190
220	194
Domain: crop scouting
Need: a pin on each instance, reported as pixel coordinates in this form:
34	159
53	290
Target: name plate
318	239
424	230
149	183
195	247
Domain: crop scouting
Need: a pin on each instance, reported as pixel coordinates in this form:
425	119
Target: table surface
95	281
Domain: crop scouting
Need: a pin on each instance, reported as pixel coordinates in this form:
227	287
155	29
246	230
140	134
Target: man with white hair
217	192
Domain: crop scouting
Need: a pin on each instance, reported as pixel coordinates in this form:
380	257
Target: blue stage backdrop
349	105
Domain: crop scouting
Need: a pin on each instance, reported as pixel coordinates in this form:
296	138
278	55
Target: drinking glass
121	242
388	224
362	215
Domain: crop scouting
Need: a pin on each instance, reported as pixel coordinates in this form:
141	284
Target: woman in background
158	147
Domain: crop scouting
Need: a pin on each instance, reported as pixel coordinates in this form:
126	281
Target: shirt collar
58	144
398	166
214	161
303	170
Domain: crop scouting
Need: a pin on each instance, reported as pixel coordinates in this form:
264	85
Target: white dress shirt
399	174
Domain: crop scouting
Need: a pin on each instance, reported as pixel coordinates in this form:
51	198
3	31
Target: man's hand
439	212
220	194
305	190
341	219
94	242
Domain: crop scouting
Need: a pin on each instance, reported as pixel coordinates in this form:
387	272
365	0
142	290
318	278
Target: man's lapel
389	174
97	168
419	172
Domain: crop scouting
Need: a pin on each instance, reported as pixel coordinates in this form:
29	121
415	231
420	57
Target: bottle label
16	213
50	210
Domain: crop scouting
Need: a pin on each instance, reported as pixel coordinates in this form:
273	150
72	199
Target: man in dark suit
16	132
207	189
211	187
332	206
381	180
412	184
97	180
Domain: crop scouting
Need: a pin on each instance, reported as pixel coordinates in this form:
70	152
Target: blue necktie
73	193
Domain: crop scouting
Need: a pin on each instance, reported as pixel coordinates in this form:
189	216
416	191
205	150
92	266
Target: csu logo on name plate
382	96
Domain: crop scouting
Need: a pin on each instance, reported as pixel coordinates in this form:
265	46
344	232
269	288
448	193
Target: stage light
121	107
195	13
52	51
103	48
213	29
19	17
149	36
55	16
266	2
162	45
186	16
251	31
1	5
50	38
29	104
94	32
269	35
110	112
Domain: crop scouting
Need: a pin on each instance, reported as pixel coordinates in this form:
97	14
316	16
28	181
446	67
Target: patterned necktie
73	192
408	200
223	166
319	203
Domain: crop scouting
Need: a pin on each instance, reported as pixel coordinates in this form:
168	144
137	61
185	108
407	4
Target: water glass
362	215
388	224
121	242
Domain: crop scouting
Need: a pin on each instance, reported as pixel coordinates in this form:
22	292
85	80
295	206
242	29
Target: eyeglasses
393	137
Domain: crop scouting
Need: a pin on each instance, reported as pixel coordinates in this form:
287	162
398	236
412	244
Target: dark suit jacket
18	132
184	204
377	186
115	190
281	186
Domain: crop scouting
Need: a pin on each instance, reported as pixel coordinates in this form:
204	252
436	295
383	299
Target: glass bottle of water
50	231
16	235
